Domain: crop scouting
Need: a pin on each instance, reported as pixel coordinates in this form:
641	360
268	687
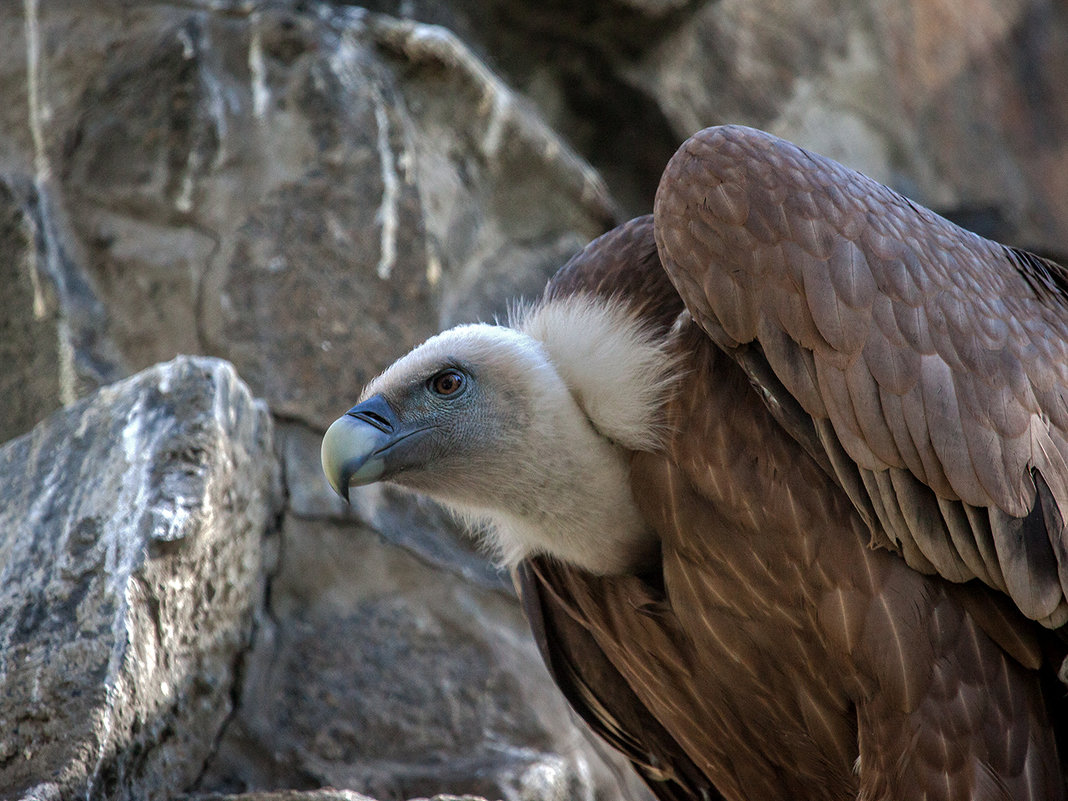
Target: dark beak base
352	446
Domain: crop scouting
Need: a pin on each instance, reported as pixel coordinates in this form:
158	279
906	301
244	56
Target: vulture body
780	471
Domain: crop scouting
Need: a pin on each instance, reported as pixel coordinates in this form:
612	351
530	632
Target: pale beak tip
346	454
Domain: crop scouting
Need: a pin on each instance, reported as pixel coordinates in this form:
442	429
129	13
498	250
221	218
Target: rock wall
305	190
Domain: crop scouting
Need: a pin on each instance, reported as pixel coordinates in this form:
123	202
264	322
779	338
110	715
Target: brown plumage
856	494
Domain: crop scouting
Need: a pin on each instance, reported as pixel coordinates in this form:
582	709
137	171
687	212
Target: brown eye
447	382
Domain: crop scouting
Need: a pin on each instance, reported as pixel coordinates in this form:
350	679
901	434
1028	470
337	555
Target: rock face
953	102
307	189
51	348
388	675
130	539
316	795
304	196
957	103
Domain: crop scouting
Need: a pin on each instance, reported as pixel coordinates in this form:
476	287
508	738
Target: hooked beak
356	446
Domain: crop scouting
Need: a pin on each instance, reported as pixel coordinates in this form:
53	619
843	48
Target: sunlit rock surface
130	566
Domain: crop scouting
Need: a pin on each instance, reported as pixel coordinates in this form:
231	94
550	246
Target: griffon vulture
780	471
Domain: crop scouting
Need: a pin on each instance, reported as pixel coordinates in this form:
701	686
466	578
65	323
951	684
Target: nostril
377	413
377	420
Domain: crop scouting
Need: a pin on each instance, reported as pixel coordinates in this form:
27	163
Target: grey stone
30	349
953	108
306	191
285	795
956	105
379	673
53	342
569	59
129	568
315	795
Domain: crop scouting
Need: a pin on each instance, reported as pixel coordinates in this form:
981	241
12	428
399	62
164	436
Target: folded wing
924	366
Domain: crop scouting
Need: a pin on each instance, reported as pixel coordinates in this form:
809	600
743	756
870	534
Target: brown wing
926	367
824	668
592	684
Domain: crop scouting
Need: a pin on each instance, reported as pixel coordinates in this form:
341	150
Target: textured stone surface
286	795
315	795
379	673
129	568
307	191
53	343
569	58
30	349
304	194
959	103
954	102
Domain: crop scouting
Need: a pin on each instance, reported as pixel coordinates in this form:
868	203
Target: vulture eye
447	383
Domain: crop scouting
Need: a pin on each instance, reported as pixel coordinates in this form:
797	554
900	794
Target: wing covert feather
938	357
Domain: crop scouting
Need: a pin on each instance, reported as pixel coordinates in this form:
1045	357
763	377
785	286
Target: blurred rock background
295	193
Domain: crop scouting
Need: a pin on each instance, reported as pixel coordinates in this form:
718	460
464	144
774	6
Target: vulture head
524	431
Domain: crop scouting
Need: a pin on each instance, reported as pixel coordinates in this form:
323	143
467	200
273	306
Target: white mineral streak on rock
257	70
65	348
188	48
38	112
549	778
504	117
387	211
433	265
41	166
216	108
39	115
344	62
220	104
125	555
497	105
123	549
39	309
184	199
